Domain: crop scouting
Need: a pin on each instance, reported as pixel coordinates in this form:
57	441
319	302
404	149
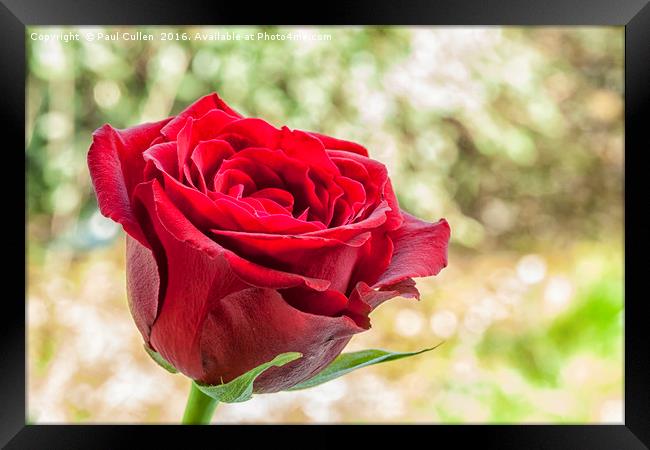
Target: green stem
200	407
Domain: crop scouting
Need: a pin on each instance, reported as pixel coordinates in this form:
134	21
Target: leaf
347	362
162	362
241	388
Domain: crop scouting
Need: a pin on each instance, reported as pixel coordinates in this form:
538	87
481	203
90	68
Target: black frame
633	14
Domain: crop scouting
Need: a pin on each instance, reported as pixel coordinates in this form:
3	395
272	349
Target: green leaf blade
348	362
241	388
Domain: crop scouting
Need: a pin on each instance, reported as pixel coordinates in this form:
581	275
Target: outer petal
313	257
196	110
373	259
329	303
292	251
164	157
375	297
116	167
142	285
252	326
420	250
307	148
255	133
364	299
331	143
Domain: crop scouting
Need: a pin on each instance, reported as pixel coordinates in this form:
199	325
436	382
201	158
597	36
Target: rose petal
313	257
308	149
373	259
164	157
228	178
264	206
116	167
184	146
264	176
209	126
142	285
331	143
378	186
351	169
208	156
272	327
256	132
330	303
420	250
354	197
375	297
198	109
346	232
279	196
327	303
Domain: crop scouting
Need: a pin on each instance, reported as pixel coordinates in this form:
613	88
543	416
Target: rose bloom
245	241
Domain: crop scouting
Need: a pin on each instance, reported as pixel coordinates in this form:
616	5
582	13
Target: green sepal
241	388
162	362
347	362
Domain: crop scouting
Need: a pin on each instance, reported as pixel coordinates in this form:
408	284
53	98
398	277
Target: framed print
387	219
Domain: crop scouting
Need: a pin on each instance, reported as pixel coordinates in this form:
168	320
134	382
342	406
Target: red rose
246	241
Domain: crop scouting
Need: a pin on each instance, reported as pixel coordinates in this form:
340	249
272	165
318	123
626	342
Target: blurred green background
515	135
